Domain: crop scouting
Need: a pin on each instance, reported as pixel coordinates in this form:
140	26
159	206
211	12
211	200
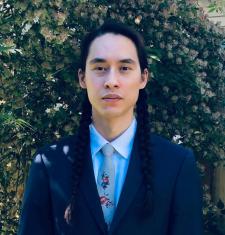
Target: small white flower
36	19
48	110
138	19
26	28
177	139
2	102
14	50
65	106
57	106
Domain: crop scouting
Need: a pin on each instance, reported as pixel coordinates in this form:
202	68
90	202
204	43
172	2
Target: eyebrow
100	60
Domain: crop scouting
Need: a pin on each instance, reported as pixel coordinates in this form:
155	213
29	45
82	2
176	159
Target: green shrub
40	100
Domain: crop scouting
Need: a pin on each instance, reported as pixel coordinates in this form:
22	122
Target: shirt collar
122	144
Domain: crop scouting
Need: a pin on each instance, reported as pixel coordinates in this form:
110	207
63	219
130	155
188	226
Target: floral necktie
106	184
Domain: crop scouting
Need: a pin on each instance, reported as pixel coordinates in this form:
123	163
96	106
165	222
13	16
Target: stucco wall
214	16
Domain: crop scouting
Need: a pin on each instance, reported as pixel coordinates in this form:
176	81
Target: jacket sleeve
186	216
36	217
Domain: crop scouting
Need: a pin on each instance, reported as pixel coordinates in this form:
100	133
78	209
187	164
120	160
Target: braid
82	140
143	132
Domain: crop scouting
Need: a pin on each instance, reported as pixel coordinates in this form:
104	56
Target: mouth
111	98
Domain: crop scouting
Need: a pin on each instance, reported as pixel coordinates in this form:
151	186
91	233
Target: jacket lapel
130	188
89	189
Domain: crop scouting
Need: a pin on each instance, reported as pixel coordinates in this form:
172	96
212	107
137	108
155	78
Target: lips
111	96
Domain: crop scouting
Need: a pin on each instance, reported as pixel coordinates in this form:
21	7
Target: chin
114	113
109	115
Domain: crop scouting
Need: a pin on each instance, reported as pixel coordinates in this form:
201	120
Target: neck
110	129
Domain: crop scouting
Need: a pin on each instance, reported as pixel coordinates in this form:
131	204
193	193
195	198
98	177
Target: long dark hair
143	121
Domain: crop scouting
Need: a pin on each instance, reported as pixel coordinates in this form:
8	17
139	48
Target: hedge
40	97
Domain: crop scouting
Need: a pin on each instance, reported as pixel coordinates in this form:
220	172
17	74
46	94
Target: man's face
113	76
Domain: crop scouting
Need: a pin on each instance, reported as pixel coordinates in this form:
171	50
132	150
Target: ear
81	76
144	78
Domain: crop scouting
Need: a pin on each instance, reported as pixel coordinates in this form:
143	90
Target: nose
111	80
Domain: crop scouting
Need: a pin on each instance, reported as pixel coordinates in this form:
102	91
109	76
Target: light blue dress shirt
122	144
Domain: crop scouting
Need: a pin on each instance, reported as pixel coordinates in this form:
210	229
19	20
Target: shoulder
172	162
169	152
58	151
59	145
164	144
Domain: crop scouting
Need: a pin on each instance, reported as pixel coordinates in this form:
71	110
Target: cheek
133	91
93	90
93	84
131	86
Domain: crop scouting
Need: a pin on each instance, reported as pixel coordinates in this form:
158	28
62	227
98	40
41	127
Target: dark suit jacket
176	194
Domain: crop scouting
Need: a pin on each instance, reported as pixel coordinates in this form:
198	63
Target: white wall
214	16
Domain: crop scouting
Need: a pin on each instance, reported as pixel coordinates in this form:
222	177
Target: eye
125	68
100	68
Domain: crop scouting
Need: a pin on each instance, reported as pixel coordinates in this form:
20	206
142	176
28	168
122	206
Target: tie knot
108	150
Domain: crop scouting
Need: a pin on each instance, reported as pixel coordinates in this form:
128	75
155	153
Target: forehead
112	47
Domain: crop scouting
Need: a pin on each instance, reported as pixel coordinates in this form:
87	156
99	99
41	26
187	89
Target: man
114	177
